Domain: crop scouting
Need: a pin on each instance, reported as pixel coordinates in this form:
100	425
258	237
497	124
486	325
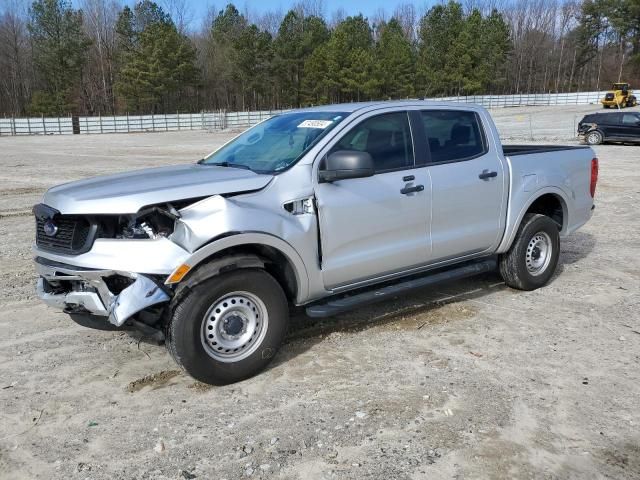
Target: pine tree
394	62
226	30
254	55
495	45
59	54
157	63
350	61
461	55
297	38
438	34
316	86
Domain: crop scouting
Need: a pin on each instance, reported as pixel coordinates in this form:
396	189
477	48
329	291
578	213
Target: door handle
486	175
407	190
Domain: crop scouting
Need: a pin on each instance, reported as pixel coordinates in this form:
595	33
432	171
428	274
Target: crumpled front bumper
77	289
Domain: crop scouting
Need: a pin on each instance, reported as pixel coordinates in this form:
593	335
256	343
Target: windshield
277	143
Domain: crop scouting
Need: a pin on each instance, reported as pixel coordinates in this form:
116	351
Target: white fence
131	123
531	99
221	120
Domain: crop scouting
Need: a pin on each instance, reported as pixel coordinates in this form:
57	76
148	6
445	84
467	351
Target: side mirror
345	164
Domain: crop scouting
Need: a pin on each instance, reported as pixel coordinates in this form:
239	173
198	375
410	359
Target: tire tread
511	263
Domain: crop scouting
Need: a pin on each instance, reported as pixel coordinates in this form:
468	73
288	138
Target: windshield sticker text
315	124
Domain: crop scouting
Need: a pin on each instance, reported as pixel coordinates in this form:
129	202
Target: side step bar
334	306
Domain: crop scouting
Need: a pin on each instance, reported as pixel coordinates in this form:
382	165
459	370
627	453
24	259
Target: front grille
72	235
608	96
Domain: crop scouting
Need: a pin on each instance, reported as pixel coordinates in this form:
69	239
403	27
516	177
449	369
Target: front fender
255	238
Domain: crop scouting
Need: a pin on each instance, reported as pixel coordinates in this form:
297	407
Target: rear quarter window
453	135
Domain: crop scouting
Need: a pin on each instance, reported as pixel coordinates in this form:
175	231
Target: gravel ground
471	380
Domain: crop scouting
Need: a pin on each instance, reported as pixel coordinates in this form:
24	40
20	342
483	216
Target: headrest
460	134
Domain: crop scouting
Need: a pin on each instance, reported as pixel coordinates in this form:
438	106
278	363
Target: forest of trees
105	57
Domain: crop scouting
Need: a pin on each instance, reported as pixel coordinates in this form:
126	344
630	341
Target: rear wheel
228	327
594	138
533	256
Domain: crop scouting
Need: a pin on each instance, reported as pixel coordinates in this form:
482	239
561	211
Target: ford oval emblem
50	228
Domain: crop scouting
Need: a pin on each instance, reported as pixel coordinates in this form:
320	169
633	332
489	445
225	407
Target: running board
334	306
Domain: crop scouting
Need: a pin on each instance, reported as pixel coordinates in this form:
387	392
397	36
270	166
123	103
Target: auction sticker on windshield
315	124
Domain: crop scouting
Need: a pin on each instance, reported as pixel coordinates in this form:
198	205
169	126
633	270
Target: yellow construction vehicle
620	96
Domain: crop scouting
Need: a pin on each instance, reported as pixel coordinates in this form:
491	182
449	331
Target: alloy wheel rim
234	326
594	138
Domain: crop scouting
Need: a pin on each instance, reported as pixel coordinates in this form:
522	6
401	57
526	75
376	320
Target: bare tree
309	8
337	16
181	13
100	17
268	21
406	14
15	81
378	18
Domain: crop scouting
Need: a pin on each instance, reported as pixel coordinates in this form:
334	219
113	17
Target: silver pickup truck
328	208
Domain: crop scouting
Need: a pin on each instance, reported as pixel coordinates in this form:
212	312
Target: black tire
516	265
185	331
594	137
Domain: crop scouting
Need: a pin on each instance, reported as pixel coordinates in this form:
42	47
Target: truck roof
356	106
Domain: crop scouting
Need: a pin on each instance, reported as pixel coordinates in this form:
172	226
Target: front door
468	185
612	126
368	226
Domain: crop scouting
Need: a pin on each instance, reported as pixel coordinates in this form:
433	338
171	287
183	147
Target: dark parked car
610	127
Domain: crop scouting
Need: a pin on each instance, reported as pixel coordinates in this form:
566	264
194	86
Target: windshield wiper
226	164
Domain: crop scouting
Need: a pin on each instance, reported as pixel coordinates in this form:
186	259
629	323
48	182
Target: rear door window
611	119
453	135
630	119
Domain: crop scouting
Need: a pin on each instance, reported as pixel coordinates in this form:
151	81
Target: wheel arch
252	250
551	202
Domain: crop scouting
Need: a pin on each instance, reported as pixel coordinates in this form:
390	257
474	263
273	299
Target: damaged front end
87	265
116	296
104	247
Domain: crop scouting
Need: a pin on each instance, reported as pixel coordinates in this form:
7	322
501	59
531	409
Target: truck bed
512	150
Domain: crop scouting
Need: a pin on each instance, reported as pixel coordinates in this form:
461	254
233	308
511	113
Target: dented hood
128	192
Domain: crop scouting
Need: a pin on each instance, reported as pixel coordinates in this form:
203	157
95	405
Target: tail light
594	176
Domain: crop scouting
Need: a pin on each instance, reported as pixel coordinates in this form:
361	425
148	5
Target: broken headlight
150	222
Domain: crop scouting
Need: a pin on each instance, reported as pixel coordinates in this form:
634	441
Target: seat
387	149
460	135
460	145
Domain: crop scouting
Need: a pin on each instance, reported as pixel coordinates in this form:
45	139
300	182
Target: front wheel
594	138
533	256
228	327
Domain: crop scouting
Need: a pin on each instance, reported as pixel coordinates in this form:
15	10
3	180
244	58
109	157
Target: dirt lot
471	380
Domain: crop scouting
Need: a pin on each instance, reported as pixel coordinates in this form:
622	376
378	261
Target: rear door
374	226
468	184
630	126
